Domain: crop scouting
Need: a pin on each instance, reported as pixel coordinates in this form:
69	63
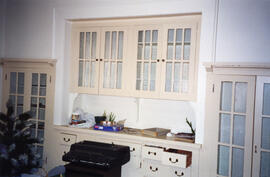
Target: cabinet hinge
6	77
213	88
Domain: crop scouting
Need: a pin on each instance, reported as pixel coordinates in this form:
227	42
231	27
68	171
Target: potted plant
99	119
17	152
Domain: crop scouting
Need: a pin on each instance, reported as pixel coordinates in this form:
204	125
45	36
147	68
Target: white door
261	150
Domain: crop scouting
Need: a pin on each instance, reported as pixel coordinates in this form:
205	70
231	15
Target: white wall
39	29
2	40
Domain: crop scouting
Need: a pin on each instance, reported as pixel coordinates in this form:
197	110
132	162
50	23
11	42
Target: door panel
261	153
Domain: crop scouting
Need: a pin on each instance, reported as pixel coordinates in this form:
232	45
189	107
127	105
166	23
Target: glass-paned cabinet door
38	108
234	118
148	60
86	56
179	61
261	153
113	56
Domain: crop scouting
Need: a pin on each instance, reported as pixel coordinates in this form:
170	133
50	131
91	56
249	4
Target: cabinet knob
181	174
153	170
163	60
149	152
157	60
67	139
96	59
100	59
132	150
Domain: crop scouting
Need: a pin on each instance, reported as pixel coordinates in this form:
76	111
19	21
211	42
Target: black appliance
94	159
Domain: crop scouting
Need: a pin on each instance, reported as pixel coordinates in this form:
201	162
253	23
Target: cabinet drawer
153	169
67	139
177	172
178	158
135	149
154	153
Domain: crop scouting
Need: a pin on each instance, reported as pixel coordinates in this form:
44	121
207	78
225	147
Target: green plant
112	117
104	114
193	131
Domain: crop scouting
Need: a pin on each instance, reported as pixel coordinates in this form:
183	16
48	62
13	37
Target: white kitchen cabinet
155	57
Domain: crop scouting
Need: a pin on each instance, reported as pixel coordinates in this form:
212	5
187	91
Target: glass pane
170	52
170	35
120	44
185	78
239	130
223	160
265	164
92	75
113	45
33	107
225	128
176	82
147	36
240	98
187	35
140	50
41	114
40	153
19	100
140	36
106	75
94	45
81	53
145	76
34	90
168	82
42	103
178	51
107	45
266	133
179	35
186	51
43	83
266	99
80	81
154	51
20	83
13	78
86	73
87	45
40	132
33	130
226	96
237	162
119	75
154	36
138	78
12	98
112	74
147	51
19	110
153	77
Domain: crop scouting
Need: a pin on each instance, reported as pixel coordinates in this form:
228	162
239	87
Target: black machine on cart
94	159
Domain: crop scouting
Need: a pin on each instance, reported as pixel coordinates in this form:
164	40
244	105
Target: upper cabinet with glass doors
142	57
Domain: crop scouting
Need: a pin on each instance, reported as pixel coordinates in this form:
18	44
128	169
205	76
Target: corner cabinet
155	57
29	84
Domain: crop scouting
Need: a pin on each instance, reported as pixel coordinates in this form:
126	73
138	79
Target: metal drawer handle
182	174
176	160
67	140
153	170
132	150
152	153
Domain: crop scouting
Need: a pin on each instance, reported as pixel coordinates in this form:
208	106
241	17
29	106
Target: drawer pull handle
153	170
132	150
176	160
67	139
182	174
152	153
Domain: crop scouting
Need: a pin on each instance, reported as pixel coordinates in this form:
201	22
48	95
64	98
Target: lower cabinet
145	160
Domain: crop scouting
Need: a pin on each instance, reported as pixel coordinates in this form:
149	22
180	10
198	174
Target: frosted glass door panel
240	97
147	58
239	130
265	133
113	56
225	128
266	99
223	160
265	164
237	162
177	55
87	55
226	96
